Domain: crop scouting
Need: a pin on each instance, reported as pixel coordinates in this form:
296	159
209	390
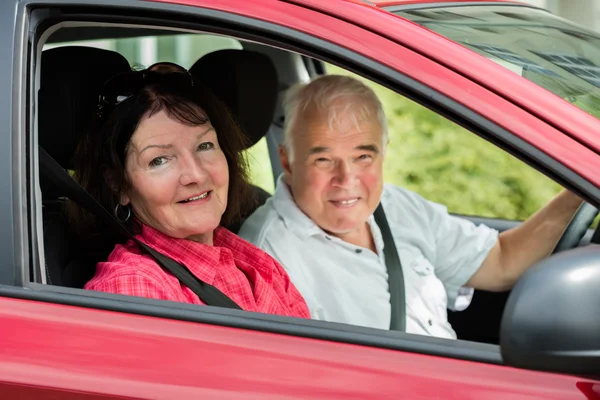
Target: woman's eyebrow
168	146
159	146
201	135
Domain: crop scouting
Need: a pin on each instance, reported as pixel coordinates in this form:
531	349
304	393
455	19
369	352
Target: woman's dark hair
100	156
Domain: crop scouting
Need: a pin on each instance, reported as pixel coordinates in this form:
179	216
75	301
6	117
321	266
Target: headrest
71	80
246	81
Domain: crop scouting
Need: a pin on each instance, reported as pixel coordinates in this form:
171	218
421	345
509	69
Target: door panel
108	353
104	353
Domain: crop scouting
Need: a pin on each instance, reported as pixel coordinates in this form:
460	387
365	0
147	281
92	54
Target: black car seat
247	82
70	82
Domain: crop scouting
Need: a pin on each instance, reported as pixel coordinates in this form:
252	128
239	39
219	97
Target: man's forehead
320	132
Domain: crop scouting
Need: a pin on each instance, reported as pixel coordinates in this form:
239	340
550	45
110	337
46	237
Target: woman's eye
206	146
157	162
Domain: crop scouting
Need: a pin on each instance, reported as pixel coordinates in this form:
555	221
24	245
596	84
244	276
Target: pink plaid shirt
245	273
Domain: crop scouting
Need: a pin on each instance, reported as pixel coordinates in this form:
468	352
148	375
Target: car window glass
550	51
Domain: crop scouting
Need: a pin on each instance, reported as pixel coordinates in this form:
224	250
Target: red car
517	76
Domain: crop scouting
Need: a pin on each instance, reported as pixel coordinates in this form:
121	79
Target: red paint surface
114	354
387	3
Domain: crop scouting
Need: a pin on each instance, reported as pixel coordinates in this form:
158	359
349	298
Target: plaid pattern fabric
242	271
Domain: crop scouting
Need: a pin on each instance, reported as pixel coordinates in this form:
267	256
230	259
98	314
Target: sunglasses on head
125	85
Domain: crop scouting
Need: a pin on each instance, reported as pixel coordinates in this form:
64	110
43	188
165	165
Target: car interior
248	77
71	77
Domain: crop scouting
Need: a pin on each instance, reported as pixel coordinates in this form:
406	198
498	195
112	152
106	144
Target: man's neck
360	237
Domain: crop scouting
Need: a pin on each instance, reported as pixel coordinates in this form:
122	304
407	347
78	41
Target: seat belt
394	269
52	171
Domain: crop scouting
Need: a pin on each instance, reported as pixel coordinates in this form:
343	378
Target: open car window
147	49
552	52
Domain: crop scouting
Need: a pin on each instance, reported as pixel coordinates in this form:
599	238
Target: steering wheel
579	224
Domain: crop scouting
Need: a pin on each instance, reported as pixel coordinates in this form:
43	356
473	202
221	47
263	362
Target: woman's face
178	177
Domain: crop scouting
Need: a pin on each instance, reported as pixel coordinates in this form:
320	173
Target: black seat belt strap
395	275
209	294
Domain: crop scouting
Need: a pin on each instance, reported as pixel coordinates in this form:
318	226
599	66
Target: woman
166	157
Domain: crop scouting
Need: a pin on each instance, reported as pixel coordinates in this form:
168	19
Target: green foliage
260	166
445	163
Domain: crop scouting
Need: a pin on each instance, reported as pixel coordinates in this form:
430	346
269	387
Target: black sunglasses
125	85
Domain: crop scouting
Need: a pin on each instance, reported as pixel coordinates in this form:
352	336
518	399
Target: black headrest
246	81
71	80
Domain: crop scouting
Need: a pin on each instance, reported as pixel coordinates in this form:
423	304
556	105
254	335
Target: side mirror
551	320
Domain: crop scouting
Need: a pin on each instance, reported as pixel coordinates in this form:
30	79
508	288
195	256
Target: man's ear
285	161
385	147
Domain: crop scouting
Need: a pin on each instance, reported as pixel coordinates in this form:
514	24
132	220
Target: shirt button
327	237
430	322
358	251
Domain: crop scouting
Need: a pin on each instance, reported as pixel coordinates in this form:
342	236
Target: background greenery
443	162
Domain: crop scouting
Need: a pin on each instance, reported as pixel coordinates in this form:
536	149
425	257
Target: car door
69	343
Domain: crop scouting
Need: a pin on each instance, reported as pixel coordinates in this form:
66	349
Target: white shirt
342	282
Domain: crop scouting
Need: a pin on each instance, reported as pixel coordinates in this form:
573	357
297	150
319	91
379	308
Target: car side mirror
551	320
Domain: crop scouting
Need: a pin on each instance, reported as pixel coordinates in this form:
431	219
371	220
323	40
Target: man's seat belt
395	275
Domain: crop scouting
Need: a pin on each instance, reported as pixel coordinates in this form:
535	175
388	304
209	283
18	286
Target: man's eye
322	160
206	146
157	162
365	157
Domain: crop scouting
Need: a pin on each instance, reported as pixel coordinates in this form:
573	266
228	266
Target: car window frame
272	34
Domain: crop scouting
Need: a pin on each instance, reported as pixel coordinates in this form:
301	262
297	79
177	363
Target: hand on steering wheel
574	232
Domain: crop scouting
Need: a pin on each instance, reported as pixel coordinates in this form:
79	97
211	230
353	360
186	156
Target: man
319	224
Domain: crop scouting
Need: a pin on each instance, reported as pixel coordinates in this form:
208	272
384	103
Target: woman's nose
192	171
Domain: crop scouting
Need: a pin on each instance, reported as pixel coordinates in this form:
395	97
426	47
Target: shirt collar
301	224
200	259
377	237
291	215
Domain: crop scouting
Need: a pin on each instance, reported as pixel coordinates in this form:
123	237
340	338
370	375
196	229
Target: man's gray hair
332	96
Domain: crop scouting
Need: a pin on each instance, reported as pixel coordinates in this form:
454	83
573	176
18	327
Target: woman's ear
124	199
123	194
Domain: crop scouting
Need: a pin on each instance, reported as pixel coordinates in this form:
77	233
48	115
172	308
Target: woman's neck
203	238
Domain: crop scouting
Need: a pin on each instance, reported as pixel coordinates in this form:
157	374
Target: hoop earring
117	216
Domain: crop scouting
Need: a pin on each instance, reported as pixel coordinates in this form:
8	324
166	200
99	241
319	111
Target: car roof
386	3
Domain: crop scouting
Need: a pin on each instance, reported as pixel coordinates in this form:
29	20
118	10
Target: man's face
336	172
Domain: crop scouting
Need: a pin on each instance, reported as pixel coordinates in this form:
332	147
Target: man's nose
192	170
345	175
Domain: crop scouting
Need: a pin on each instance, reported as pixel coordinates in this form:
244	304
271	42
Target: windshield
550	51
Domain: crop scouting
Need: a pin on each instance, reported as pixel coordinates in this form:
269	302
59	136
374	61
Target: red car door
57	344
